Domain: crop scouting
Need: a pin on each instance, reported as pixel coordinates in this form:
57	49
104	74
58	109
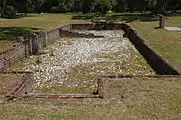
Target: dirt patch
14	84
9	83
169	38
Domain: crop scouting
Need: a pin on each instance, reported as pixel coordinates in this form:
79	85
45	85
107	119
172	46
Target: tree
3	7
7	9
102	6
38	4
86	6
66	5
160	6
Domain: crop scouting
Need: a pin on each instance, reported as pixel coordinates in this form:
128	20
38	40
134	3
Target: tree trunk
160	6
3	8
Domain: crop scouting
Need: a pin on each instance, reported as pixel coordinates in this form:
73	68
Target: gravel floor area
72	65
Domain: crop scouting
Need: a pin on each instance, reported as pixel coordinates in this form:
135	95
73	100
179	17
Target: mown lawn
40	21
166	43
127	99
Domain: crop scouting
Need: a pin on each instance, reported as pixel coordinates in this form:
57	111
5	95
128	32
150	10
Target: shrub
55	9
102	6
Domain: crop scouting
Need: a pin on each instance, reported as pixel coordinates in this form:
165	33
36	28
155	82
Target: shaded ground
14	33
9	35
45	21
12	29
126	17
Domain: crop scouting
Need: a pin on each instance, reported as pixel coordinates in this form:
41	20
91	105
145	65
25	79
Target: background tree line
9	8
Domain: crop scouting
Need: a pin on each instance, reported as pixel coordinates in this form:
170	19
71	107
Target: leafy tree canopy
9	8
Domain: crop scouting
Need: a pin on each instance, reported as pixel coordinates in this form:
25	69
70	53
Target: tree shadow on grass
85	17
115	17
15	33
132	17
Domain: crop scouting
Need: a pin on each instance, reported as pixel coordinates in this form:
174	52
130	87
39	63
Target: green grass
148	98
166	43
137	98
45	21
126	17
11	30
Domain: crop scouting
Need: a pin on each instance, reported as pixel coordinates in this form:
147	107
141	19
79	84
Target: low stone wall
33	43
26	86
69	33
158	64
60	96
96	26
28	46
81	26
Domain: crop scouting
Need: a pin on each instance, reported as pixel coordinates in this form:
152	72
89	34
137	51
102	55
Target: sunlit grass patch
155	98
138	98
166	43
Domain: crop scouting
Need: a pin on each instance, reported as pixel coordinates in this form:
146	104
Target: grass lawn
166	43
12	29
128	99
40	21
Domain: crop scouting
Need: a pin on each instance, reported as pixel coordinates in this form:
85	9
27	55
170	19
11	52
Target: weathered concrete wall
29	45
158	64
33	43
69	33
96	26
81	26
